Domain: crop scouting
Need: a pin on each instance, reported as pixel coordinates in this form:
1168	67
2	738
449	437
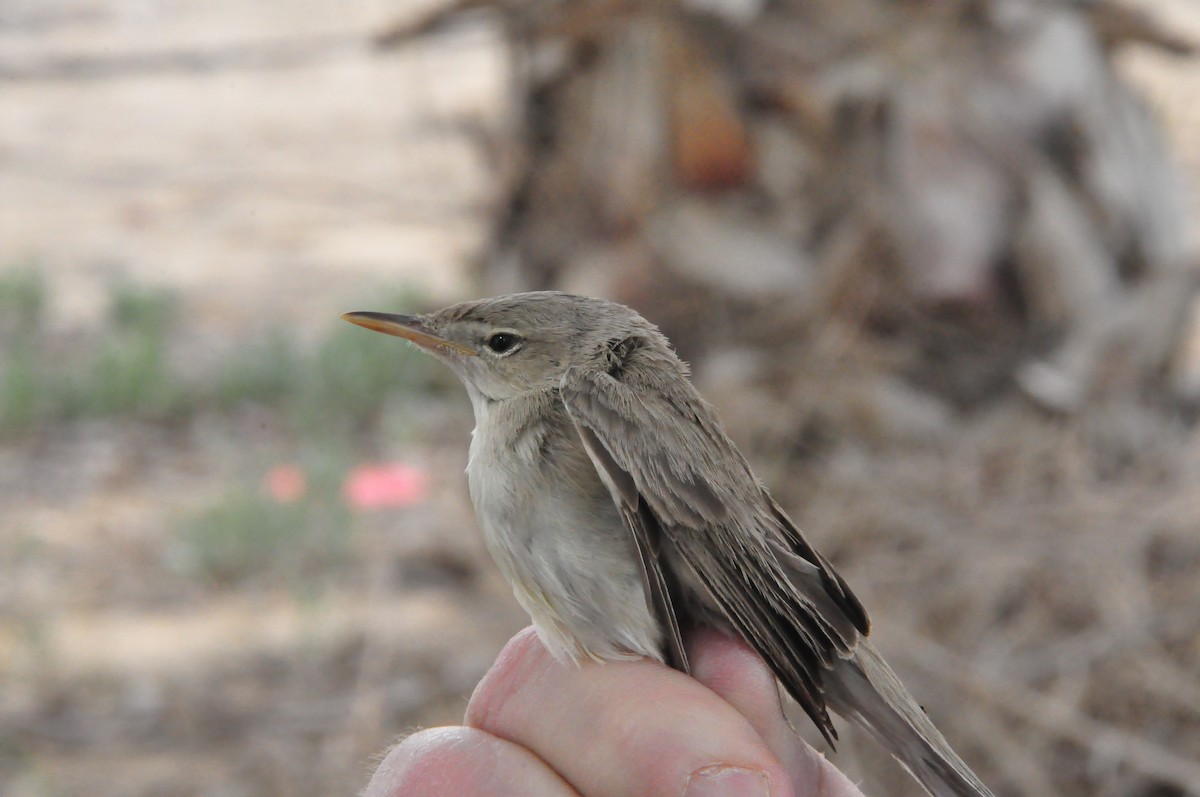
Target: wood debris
981	154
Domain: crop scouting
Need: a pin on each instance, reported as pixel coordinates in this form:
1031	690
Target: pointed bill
409	327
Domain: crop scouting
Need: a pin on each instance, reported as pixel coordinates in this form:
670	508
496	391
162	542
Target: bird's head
521	343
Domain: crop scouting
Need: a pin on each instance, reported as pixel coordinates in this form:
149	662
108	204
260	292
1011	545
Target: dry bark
910	160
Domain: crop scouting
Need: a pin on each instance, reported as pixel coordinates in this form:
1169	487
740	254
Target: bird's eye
502	342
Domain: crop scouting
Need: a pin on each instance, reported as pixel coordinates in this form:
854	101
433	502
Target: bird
622	514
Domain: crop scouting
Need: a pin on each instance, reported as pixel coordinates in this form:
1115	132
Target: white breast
553	530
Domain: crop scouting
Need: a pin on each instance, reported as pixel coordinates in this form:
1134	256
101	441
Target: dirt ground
263	161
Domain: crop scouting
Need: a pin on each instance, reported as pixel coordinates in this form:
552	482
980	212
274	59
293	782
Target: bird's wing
664	451
647	537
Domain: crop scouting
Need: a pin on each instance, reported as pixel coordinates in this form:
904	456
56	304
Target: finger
730	668
463	762
623	728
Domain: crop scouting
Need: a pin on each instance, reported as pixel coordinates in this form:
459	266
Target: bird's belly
567	554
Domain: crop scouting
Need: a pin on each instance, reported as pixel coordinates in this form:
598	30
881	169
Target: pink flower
390	484
285	483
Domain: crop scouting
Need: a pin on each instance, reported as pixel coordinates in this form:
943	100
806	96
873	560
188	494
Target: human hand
537	728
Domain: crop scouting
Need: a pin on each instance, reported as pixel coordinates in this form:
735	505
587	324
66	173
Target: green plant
265	372
22	300
23	379
333	389
127	372
22	388
349	378
249	536
328	392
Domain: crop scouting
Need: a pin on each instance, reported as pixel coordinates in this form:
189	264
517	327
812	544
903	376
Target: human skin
539	728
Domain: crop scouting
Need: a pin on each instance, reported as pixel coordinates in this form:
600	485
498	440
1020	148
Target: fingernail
727	782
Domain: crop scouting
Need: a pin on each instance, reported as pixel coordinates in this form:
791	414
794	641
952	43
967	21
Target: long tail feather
866	691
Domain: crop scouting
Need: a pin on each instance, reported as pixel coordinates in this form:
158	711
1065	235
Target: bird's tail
866	691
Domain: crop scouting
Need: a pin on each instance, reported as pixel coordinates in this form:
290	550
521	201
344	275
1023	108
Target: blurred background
934	261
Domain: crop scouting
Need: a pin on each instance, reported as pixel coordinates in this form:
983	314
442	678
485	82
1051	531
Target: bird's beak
410	327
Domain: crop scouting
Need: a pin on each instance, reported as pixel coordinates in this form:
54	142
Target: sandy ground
262	158
267	164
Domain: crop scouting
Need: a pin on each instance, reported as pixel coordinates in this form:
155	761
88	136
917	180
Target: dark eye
502	342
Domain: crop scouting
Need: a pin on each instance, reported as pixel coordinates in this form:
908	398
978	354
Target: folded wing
692	505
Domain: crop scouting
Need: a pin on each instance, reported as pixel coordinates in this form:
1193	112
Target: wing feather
663	451
646	535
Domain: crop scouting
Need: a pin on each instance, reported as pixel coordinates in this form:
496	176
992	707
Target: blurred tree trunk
965	184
